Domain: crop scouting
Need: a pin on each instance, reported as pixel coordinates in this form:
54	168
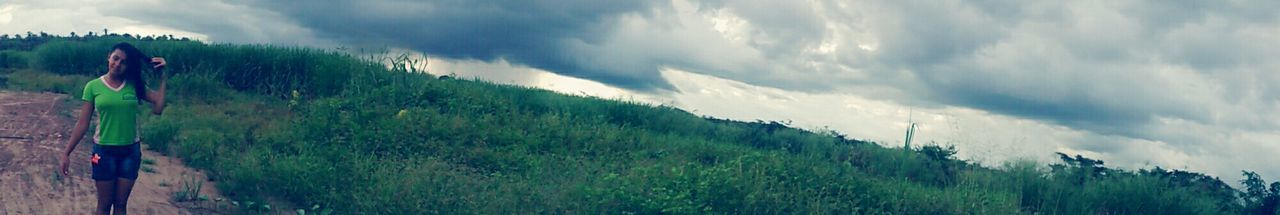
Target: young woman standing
115	98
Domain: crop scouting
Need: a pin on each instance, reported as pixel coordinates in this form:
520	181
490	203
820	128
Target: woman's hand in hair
156	97
158	63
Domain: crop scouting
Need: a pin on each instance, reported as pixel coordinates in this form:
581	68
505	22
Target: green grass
347	135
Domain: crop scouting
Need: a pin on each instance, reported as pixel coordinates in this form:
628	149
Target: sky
1138	84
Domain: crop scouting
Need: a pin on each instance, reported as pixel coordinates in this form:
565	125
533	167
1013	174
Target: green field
346	134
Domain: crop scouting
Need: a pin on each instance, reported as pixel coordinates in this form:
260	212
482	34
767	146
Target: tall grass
312	127
261	69
14	59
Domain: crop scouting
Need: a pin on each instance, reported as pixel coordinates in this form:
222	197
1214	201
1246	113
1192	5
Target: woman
115	98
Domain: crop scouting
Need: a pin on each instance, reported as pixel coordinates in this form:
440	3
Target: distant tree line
1256	198
28	41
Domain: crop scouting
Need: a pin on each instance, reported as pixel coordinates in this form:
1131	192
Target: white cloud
6	14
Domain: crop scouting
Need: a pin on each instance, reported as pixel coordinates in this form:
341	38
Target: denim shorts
112	162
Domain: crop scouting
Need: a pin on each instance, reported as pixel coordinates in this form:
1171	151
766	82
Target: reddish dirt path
33	132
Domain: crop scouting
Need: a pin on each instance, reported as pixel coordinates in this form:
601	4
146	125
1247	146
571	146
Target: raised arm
156	97
77	133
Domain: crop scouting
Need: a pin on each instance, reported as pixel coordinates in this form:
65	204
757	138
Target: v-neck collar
104	82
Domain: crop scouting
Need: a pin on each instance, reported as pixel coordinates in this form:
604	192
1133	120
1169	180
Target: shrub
33	80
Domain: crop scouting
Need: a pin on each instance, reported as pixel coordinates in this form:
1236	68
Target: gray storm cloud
1109	67
539	34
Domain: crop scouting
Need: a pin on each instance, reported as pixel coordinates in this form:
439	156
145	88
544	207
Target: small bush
159	134
32	80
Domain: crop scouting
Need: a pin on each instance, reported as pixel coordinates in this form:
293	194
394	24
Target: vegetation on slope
314	127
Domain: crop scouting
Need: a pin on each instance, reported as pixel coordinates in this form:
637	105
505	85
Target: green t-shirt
117	110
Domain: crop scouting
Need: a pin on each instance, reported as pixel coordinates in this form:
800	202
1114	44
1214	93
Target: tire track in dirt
34	128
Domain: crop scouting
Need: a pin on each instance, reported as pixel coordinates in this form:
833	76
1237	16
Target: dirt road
33	131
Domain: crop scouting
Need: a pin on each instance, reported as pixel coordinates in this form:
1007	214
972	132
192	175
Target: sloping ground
305	126
33	132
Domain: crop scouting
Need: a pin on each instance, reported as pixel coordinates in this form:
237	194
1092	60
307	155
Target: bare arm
156	97
77	133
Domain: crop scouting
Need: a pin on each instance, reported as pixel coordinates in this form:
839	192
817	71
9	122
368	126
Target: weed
190	191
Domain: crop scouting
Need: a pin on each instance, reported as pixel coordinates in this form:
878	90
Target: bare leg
106	196
123	188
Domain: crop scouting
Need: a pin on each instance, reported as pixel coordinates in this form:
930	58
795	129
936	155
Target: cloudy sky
1177	84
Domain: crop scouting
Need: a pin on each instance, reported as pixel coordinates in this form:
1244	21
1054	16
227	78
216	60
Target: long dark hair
134	60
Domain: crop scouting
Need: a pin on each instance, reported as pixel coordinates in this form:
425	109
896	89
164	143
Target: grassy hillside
326	130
